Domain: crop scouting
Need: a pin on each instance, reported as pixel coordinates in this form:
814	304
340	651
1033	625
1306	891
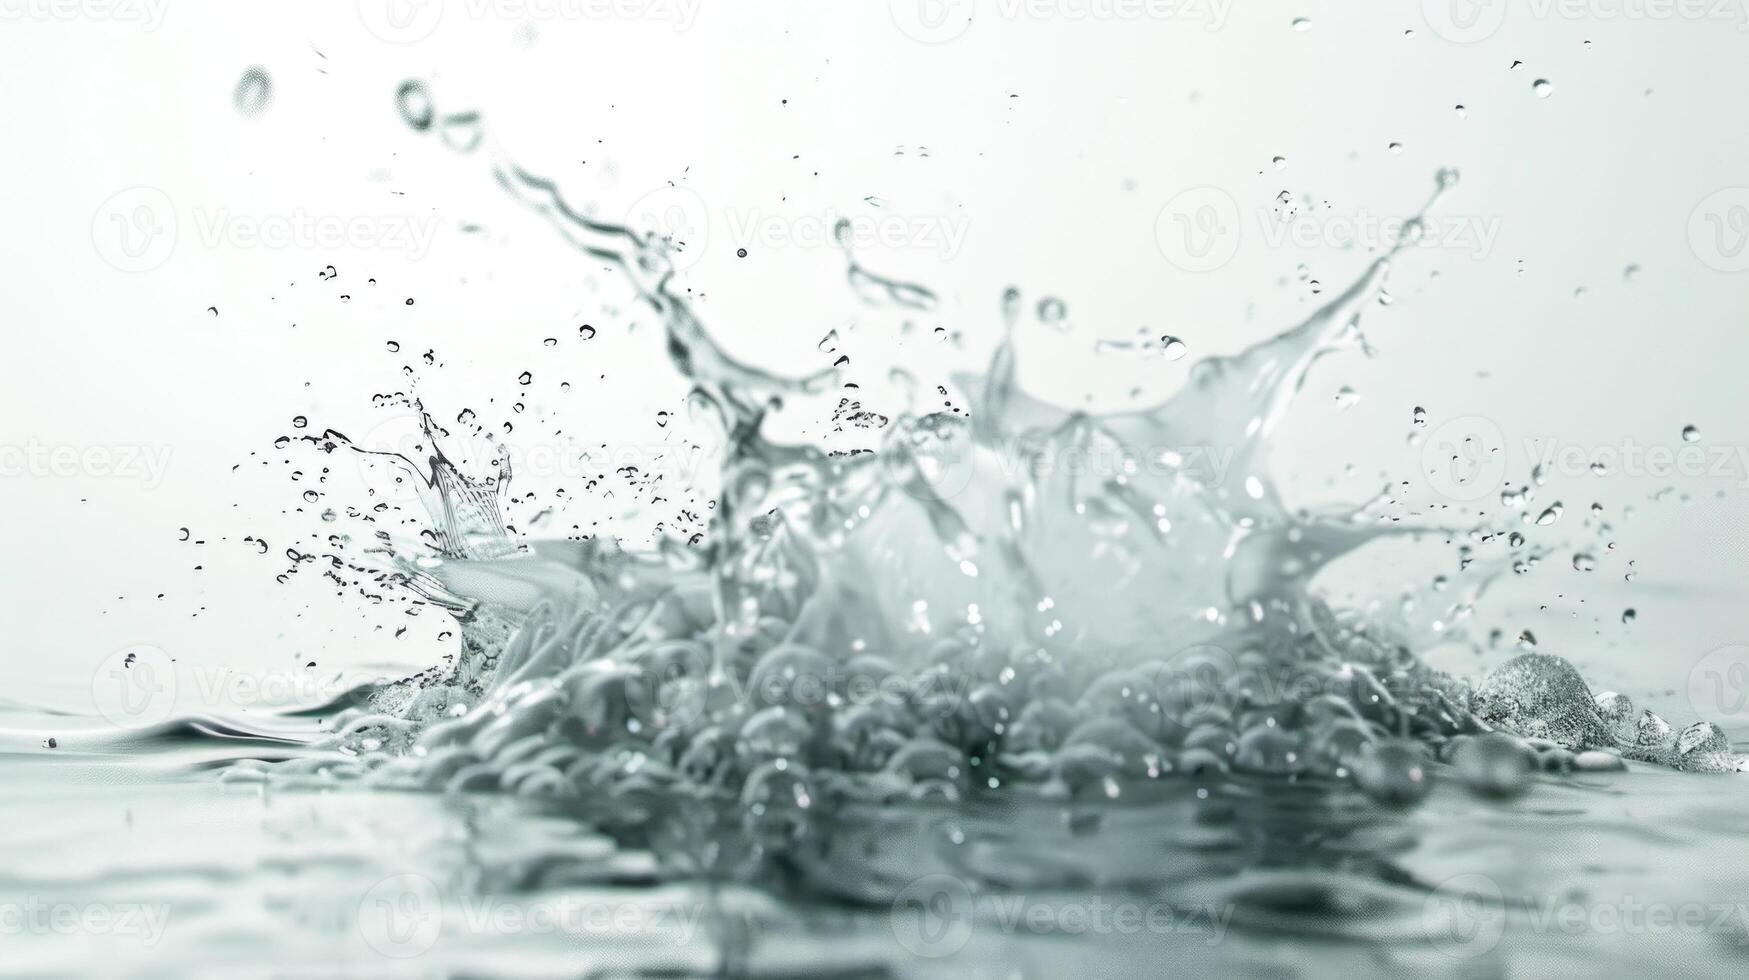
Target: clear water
1010	690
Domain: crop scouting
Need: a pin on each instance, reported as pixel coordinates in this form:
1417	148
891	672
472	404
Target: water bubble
1496	764
1393	771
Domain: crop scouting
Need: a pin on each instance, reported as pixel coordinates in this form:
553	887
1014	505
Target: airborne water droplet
254	92
413	102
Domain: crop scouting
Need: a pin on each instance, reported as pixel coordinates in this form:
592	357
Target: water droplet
1347	397
1543	88
1280	163
586	331
1419	418
254	92
1302	24
1690	433
1551	515
1629	615
393	346
1583	562
1052	311
524	378
1396	147
413	102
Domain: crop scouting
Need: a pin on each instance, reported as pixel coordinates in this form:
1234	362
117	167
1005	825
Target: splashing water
1015	599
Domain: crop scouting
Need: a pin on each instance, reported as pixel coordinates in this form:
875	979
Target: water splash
1013	598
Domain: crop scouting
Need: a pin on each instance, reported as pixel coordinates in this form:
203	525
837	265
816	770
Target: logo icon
1465	916
1198	231
1719	683
676	216
135	686
932	916
932	21
1718	230
135	230
401	21
1465	458
1464	21
401	916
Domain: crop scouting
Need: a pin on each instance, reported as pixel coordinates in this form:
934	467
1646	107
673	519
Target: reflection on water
203	876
